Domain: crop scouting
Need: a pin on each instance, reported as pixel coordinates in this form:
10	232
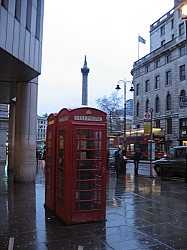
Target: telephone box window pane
98	154
48	159
86	164
96	135
48	192
85	195
49	143
85	175
61	153
85	206
48	176
85	185
62	134
49	151
49	136
61	144
100	135
61	173
60	202
61	163
61	182
77	175
48	168
61	192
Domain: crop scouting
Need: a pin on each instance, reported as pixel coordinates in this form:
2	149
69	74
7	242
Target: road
144	168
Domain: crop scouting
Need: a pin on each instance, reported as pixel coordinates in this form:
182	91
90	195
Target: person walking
118	159
137	156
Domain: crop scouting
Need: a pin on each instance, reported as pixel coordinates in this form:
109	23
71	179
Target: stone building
41	129
160	78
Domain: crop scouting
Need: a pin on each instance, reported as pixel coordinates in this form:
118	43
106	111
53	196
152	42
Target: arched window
168	102
157	105
137	109
147	106
183	92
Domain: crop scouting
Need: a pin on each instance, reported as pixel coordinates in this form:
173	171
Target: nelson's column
85	70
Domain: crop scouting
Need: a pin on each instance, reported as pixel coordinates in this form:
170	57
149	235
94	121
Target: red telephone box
81	165
50	161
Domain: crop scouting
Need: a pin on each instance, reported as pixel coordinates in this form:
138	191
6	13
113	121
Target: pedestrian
123	162
137	156
118	159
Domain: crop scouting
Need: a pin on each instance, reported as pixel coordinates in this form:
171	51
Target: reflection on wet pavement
142	213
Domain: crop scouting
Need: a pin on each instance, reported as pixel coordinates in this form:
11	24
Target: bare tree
110	105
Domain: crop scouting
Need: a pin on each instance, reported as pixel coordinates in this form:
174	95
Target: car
177	157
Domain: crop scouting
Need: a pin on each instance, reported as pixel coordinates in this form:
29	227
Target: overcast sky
106	31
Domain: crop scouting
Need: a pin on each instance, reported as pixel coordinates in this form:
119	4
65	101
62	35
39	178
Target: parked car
177	157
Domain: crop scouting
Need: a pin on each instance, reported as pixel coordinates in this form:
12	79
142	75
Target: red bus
137	135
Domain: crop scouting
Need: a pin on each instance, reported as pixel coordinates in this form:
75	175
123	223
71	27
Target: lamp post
125	107
184	16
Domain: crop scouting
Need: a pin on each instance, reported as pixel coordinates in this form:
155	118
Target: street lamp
184	16
131	89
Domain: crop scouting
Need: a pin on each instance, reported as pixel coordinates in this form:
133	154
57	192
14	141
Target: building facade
160	78
41	130
21	32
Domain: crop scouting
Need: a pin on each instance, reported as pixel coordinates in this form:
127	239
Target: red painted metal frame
81	165
50	161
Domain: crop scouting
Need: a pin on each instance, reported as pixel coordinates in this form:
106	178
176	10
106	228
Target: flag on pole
141	40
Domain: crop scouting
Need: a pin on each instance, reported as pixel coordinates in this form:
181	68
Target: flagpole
138	46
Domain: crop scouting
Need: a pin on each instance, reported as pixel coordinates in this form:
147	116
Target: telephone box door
89	156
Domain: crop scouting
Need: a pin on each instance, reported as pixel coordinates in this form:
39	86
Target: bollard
186	168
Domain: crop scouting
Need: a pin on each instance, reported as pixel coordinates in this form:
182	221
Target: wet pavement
141	213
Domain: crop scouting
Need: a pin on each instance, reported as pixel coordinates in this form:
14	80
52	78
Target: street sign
147	128
147	116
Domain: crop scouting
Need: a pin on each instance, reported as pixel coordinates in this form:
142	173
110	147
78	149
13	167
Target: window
168	78
168	58
169	126
183	92
38	17
4	3
172	37
172	23
162	30
157	63
147	86
181	29
148	68
168	102
29	14
138	109
157	82
182	72
157	105
18	10
157	122
183	123
147	106
138	89
182	51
